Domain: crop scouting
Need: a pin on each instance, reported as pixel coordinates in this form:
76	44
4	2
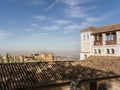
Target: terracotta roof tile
113	27
91	28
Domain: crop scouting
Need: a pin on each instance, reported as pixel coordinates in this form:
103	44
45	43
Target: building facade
100	41
44	57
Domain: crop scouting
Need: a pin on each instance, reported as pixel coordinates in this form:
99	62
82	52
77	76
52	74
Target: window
108	51
84	37
85	56
111	37
102	87
95	37
87	36
93	85
95	51
99	51
113	51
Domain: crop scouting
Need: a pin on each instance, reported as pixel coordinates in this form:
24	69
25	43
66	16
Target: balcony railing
111	42
97	43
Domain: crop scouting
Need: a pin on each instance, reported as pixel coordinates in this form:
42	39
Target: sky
52	25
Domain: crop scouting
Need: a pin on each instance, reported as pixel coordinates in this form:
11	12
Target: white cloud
52	5
28	2
50	28
61	22
89	21
34	24
35	2
71	27
33	37
39	18
76	11
74	2
29	30
73	8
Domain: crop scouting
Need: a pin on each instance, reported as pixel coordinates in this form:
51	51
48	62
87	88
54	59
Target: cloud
28	2
29	30
89	21
39	18
34	24
94	19
51	5
61	22
33	37
73	8
74	2
50	28
76	11
71	27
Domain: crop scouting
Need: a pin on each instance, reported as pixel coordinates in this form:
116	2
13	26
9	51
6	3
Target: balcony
111	42
97	43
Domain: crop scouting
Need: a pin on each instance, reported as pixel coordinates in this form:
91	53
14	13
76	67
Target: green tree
1	59
7	58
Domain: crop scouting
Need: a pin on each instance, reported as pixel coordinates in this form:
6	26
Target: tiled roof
113	27
107	63
27	75
91	28
108	28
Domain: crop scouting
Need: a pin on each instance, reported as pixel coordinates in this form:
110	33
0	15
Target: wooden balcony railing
97	43
111	42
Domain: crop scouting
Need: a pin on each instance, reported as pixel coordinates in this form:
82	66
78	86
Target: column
103	38
92	44
117	37
117	49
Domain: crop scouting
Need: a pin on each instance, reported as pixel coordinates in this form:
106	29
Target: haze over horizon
52	25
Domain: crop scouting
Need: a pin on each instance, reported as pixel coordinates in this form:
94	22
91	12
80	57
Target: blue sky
52	25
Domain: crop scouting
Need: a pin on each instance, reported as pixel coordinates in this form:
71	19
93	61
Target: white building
100	41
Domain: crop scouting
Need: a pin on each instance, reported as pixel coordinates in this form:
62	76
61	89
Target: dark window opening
93	86
84	37
113	51
102	87
108	51
85	56
87	36
99	51
95	51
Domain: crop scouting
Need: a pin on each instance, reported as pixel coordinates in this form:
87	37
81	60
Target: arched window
113	51
108	51
84	37
87	36
95	51
99	51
